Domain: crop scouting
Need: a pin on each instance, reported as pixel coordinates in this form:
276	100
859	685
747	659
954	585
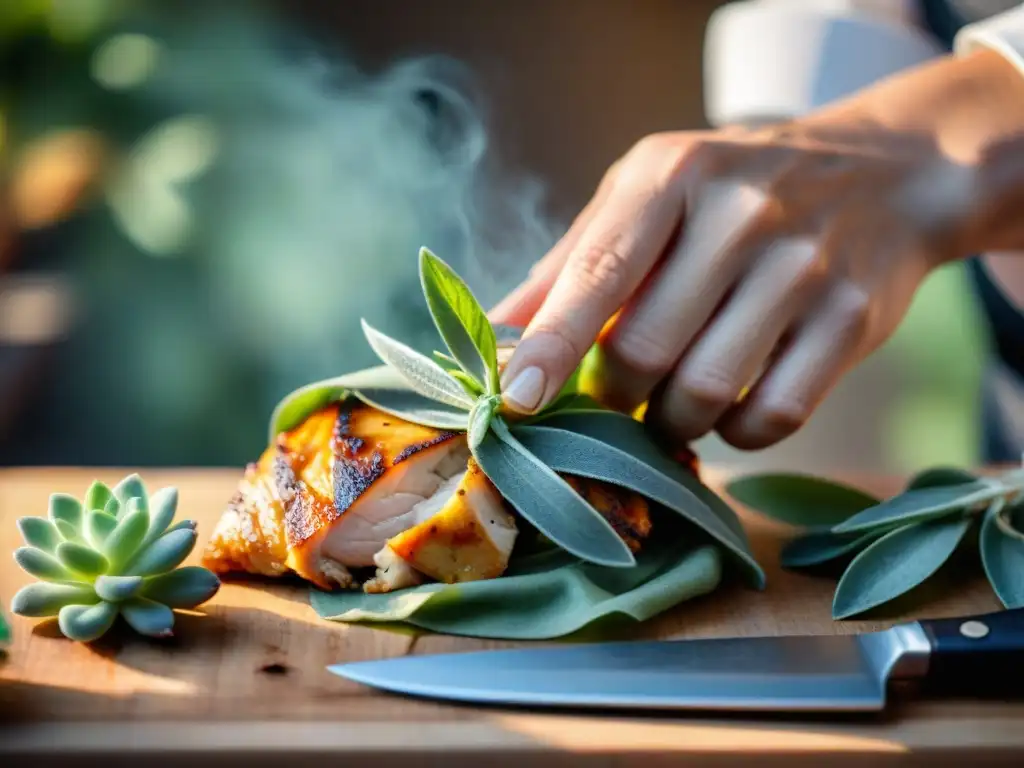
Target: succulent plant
116	553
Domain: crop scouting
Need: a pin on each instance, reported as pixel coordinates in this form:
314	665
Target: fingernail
526	390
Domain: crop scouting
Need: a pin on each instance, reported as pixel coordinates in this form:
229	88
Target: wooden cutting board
245	679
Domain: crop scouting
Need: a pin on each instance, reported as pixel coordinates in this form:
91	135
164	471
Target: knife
837	673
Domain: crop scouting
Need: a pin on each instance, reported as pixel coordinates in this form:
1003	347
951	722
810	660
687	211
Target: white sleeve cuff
769	61
1003	33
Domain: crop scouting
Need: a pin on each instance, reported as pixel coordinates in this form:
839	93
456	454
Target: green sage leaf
661	481
41	565
67	508
1002	556
123	542
541	596
182	588
800	500
162	507
40	533
821	547
940	476
472	387
98	526
42	599
629	435
547	501
148	617
443	359
423	374
480	419
896	563
919	505
295	407
97	496
117	588
165	553
81	559
85	623
131	487
460	320
411	406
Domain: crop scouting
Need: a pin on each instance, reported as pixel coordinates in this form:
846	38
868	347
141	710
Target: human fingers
520	305
822	350
741	339
618	247
680	297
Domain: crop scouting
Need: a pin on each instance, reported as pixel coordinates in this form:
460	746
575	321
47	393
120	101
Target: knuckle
709	387
600	270
783	417
854	308
643	351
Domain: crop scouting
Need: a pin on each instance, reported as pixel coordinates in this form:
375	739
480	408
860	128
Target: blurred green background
201	199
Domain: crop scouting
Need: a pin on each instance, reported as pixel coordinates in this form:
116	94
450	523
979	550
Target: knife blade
833	673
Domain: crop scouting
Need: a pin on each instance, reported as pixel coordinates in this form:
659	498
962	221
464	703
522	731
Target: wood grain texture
245	674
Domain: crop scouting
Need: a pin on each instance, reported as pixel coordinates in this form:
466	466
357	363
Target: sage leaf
919	505
85	623
940	476
1002	556
162	507
182	588
124	540
820	547
39	532
547	501
800	500
165	553
131	487
630	436
423	374
148	617
293	409
473	388
441	357
480	419
412	406
98	526
460	320
97	496
82	559
41	565
579	454
117	588
66	508
42	599
896	563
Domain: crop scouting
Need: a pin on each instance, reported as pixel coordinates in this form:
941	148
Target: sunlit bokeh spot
125	61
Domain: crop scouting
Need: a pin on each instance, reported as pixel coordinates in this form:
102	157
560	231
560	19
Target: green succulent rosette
115	553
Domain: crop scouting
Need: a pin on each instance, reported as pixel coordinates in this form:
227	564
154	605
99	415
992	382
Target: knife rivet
973	629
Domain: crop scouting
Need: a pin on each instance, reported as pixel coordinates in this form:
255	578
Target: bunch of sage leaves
899	543
459	390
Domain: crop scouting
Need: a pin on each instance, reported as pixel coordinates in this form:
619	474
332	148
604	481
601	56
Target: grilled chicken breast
353	487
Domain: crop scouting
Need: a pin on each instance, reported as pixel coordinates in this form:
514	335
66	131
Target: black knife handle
977	654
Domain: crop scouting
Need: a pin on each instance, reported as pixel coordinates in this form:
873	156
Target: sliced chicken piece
330	493
627	512
469	538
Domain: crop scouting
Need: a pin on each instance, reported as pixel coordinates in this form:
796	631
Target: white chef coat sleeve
771	60
1002	33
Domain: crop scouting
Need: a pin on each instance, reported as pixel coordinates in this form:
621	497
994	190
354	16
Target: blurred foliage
227	202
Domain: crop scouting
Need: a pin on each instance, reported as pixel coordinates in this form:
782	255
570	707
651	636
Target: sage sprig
897	543
458	389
